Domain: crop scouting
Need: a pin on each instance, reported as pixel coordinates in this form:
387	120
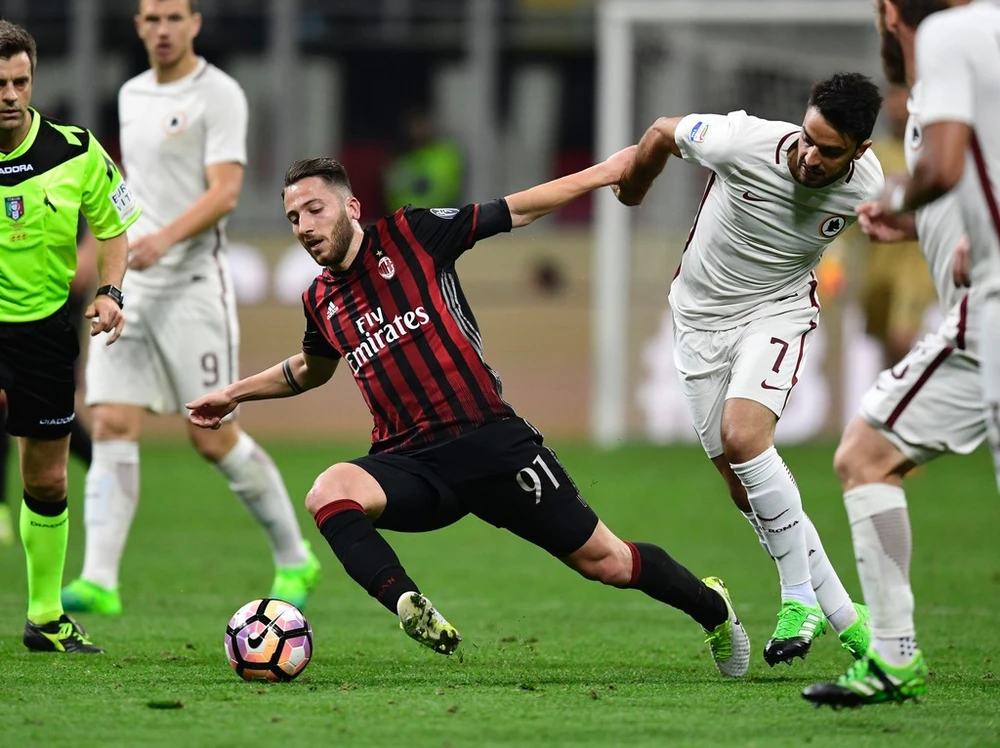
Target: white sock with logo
830	591
255	479
111	499
776	502
883	545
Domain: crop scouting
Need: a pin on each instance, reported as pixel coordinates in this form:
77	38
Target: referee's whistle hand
105	316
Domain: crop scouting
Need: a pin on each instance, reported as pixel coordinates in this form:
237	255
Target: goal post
728	34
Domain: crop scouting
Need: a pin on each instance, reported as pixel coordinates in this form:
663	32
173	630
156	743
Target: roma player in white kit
183	138
955	60
744	304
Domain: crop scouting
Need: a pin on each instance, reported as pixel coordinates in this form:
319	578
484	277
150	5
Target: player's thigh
930	403
129	371
769	356
413	498
506	476
37	362
200	344
703	361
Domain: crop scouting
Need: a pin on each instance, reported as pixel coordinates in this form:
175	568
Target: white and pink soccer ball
268	640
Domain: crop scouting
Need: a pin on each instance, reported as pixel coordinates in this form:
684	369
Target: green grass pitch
548	658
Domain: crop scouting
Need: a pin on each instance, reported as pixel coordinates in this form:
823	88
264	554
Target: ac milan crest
386	268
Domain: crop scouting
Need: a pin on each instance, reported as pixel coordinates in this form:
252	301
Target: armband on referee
286	369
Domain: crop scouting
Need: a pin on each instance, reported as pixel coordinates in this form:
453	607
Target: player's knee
46	483
213	445
865	456
115	423
613	566
741	444
338	483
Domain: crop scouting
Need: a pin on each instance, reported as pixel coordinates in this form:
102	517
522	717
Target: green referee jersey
58	172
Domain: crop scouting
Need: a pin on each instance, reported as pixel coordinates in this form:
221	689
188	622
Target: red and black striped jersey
399	319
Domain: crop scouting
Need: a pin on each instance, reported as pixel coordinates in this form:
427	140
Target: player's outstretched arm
655	147
293	376
103	311
542	199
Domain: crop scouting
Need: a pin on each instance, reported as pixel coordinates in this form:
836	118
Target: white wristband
897	199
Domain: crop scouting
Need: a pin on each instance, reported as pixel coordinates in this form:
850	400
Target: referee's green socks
44	534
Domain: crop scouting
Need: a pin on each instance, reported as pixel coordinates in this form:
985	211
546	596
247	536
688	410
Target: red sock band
336	507
636	564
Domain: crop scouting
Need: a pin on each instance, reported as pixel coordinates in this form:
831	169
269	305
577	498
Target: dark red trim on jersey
202	71
921	381
777	151
813	296
984	182
694	225
850	173
225	308
798	362
334	508
636	565
475	224
468	364
963	312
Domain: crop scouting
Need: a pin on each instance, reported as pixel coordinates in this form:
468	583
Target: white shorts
758	361
177	345
931	402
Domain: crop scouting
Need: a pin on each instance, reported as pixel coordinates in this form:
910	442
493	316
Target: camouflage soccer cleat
728	641
798	625
294	583
62	635
81	596
421	621
871	681
857	637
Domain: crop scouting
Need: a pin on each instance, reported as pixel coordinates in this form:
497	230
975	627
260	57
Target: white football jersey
958	66
758	234
170	133
939	224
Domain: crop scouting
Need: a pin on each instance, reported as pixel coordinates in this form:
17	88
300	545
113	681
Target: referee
50	172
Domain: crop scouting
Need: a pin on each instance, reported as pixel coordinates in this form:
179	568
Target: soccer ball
268	640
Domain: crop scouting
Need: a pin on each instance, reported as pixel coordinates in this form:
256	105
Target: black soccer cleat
786	650
62	635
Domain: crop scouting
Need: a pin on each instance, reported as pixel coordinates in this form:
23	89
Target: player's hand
880	225
146	251
962	263
105	316
209	410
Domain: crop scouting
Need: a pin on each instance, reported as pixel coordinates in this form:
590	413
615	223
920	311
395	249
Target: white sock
111	498
830	591
880	528
752	519
897	651
777	504
256	480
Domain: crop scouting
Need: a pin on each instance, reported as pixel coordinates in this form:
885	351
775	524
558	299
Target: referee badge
14	207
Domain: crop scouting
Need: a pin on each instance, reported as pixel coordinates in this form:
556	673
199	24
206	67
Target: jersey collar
29	139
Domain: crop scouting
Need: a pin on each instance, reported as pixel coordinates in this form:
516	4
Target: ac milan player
445	442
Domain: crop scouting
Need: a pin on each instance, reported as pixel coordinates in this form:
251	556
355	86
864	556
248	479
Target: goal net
671	58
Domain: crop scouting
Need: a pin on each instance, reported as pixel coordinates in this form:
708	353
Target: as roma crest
386	268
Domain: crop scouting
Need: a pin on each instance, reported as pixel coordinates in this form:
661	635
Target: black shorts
500	473
36	374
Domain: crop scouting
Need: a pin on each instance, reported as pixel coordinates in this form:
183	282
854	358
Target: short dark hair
192	6
850	102
913	12
331	171
14	40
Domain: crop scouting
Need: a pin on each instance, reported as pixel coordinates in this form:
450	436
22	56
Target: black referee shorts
36	373
500	473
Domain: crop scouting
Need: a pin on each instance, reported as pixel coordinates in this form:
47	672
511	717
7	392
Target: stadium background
514	84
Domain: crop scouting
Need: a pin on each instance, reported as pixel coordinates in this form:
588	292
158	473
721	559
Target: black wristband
114	292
